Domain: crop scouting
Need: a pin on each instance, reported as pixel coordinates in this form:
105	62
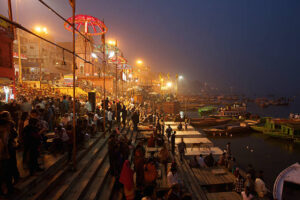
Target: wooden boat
209	122
237	129
258	128
213	131
287	183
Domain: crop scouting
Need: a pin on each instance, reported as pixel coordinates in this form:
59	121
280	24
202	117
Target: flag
72	3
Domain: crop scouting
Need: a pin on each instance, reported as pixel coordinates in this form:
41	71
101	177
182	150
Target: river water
265	153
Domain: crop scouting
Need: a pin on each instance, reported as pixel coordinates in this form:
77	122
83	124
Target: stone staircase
91	180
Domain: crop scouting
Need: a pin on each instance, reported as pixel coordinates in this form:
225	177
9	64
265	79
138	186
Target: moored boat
258	128
287	183
237	129
209	122
213	131
281	128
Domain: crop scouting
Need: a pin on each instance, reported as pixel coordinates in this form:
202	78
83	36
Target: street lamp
114	43
40	31
180	77
169	84
139	62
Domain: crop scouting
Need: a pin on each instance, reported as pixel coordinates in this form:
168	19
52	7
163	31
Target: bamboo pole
74	87
104	76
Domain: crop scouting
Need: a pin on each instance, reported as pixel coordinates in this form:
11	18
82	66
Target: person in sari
126	178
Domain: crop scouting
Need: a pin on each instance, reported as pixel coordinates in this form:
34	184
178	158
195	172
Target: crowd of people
140	179
31	126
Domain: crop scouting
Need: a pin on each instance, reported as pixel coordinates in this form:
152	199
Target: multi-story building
40	58
6	63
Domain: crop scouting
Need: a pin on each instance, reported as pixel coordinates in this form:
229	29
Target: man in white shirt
109	119
88	106
172	177
201	162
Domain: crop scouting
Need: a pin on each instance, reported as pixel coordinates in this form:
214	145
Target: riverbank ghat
204	183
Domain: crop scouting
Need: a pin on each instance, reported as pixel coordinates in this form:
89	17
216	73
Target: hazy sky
251	45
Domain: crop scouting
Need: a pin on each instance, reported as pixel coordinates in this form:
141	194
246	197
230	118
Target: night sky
250	45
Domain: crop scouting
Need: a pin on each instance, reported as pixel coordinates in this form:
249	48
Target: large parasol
91	25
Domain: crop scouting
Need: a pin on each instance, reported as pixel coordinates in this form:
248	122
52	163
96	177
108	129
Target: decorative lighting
180	77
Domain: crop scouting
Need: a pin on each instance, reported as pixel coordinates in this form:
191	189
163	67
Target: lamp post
178	79
139	63
114	44
40	31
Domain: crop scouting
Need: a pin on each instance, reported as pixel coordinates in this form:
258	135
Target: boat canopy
290	174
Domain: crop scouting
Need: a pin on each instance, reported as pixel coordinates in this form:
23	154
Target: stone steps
91	180
27	187
96	184
61	185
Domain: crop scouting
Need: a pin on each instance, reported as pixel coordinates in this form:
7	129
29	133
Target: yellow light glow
130	75
39	30
112	42
45	30
169	84
139	62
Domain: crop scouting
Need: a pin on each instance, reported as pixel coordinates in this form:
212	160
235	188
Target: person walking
124	116
172	177
32	142
181	149
173	142
135	121
109	119
168	132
